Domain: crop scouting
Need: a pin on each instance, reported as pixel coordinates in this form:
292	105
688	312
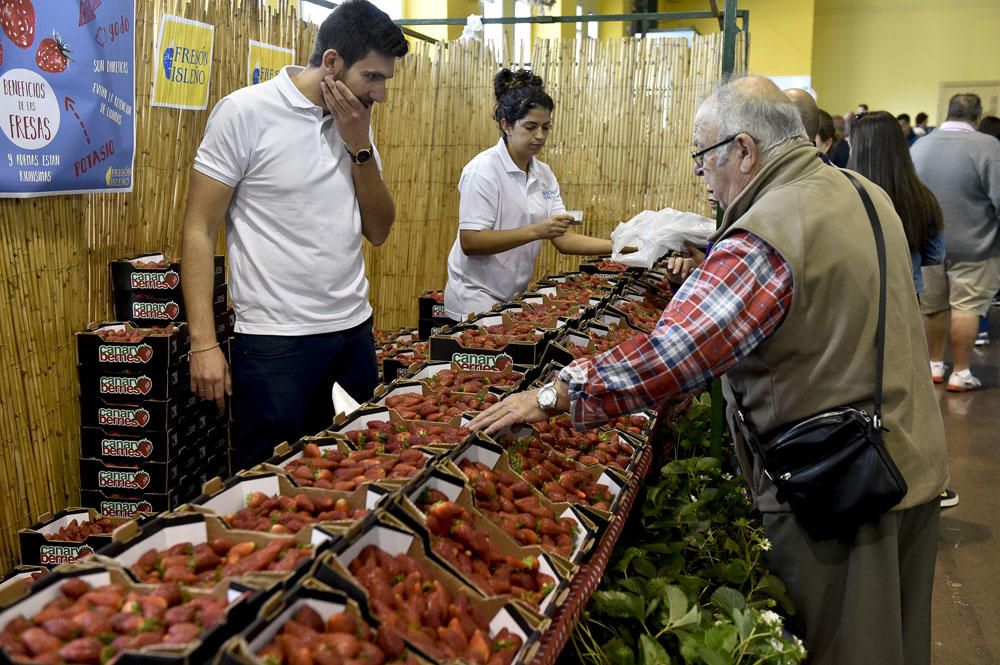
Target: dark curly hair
517	93
354	29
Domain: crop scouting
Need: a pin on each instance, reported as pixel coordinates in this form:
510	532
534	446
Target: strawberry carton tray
271	503
134	385
430	304
444	602
155	273
123	346
548	299
127	503
415	400
470	530
337	624
327	462
15	584
223	611
598	447
573	344
150	308
519	313
604	266
427	328
499	515
383	430
604	486
440	374
150	416
399	359
121	446
455	348
215	552
155	477
68	535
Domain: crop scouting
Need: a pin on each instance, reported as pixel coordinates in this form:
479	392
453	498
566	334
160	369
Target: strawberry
145	352
53	54
171	278
173	309
145	447
141	417
144	384
142	479
18	20
144	507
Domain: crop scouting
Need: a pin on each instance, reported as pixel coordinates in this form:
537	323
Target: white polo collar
508	163
288	90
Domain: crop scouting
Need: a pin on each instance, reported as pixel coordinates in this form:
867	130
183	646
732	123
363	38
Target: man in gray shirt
962	167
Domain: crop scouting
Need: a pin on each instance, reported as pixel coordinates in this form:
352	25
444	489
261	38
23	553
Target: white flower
727	476
771	618
765	544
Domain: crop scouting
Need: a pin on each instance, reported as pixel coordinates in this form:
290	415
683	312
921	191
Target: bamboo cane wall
621	142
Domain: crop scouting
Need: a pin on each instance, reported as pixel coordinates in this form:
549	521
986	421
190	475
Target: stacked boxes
432	315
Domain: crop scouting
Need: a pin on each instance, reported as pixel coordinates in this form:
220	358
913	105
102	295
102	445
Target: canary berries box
121	346
156	273
153	309
66	536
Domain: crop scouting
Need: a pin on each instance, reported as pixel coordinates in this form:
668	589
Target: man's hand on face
353	118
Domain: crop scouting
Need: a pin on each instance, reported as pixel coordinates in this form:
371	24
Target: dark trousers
281	386
863	601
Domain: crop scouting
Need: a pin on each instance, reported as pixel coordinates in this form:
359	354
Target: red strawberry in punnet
144	384
141	417
145	352
142	479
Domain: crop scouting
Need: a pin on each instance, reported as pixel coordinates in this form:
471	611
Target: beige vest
823	353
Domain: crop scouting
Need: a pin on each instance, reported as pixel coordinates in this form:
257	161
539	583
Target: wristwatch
547	397
361	156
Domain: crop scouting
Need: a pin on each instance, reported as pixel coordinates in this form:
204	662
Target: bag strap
880	331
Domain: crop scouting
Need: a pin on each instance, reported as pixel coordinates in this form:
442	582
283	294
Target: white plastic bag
656	232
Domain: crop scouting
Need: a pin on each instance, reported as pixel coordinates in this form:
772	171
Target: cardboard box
128	274
155	477
121	503
427	371
393	538
360	419
432	326
38	550
149	308
121	446
150	416
162	533
16	584
243	649
446	347
134	386
430	304
242	607
153	355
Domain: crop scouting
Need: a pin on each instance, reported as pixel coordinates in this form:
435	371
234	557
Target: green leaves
620	604
652	652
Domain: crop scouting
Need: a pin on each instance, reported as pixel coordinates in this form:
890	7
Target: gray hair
965	106
754	105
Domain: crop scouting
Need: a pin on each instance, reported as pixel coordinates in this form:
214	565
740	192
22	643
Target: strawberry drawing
53	54
141	479
145	447
84	551
144	384
145	352
18	20
144	507
503	360
171	278
172	309
168	60
141	417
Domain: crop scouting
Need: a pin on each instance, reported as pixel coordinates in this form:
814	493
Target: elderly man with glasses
786	307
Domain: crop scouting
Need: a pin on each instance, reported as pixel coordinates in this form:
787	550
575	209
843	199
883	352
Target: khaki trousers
865	600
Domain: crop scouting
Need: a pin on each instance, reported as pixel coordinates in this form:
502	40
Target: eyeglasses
699	157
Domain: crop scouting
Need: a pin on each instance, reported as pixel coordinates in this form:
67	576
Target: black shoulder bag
833	468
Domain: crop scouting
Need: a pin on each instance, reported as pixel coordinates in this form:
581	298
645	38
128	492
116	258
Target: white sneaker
938	371
960	382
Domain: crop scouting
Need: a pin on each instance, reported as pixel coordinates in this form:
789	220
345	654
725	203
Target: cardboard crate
129	274
154	354
148	308
122	503
149	416
155	477
118	446
37	549
430	305
446	347
134	385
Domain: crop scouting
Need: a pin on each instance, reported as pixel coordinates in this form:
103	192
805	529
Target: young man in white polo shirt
290	165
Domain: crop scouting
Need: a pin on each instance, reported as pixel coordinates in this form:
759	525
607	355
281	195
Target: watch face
363	156
547	397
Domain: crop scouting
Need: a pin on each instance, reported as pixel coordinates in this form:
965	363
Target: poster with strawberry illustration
182	69
67	96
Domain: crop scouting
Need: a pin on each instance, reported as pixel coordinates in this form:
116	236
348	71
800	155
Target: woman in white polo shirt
509	204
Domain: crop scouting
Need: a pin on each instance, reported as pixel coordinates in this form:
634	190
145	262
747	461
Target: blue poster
67	96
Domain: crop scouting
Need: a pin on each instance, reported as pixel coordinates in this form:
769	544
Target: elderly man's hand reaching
514	409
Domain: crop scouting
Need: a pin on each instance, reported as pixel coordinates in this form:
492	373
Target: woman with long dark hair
510	202
879	152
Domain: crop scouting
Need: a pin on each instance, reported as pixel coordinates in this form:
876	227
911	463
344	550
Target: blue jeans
281	386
